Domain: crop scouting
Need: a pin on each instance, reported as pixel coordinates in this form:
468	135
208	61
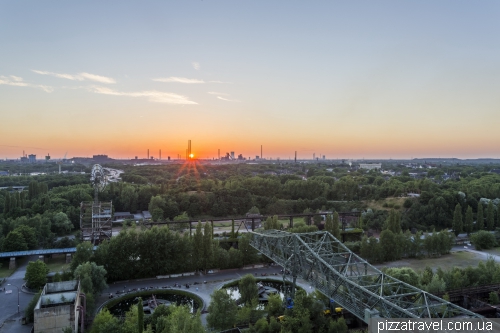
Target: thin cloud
217	93
220	82
196	65
227	100
178	80
97	78
152	95
17	81
78	77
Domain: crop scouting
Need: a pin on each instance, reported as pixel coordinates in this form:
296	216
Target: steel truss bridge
329	266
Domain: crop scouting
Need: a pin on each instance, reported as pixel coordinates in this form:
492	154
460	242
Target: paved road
214	281
9	317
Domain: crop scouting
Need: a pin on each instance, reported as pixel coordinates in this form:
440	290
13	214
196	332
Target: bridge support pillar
291	221
12	263
68	258
43	258
294	281
466	302
371	314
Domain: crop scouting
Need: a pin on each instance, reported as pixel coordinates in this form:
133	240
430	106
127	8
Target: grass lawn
57	263
494	251
391	202
4	270
459	259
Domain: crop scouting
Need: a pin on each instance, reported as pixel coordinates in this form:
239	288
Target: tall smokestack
260	151
148	154
295	156
218	154
160	154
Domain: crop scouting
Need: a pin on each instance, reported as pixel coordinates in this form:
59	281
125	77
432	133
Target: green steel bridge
354	284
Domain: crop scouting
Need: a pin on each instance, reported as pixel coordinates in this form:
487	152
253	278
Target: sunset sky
345	79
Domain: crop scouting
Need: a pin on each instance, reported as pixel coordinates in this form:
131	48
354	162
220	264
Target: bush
29	312
36	274
483	240
353	246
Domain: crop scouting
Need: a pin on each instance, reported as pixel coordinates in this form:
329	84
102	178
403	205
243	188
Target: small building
257	218
122	216
370	166
4	173
59	307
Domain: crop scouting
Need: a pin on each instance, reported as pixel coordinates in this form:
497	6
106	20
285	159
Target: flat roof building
370	166
59	307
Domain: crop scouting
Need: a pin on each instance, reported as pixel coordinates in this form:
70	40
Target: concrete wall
54	319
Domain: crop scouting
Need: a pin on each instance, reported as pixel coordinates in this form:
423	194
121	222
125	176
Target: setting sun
191	155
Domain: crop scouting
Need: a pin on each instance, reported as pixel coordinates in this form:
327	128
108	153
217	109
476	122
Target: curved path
9	317
203	290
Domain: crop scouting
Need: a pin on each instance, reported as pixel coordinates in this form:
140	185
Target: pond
163	297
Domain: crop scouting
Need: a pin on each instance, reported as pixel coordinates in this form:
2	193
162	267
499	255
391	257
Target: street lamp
17	295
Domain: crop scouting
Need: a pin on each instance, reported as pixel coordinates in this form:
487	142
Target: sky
344	79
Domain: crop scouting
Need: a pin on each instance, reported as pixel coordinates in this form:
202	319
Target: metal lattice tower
95	217
329	266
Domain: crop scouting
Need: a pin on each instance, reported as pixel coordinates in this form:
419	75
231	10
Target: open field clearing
459	259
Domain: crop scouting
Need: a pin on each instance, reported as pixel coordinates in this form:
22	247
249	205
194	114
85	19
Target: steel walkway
329	266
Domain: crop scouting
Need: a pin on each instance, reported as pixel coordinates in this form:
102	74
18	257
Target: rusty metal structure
338	273
96	216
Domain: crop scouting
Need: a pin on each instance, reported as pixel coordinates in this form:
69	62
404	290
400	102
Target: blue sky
372	79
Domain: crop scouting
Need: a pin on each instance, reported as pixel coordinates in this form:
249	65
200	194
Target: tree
83	254
457	220
483	240
140	316
207	246
274	305
61	223
248	289
272	223
105	322
36	274
490	216
180	320
393	223
29	236
329	223
254	210
156	207
198	248
14	242
371	250
29	312
391	249
338	326
92	277
480	217
469	221
493	298
405	274
436	285
498	216
221	311
336	225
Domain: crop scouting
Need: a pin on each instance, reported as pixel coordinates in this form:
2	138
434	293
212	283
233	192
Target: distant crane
61	161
